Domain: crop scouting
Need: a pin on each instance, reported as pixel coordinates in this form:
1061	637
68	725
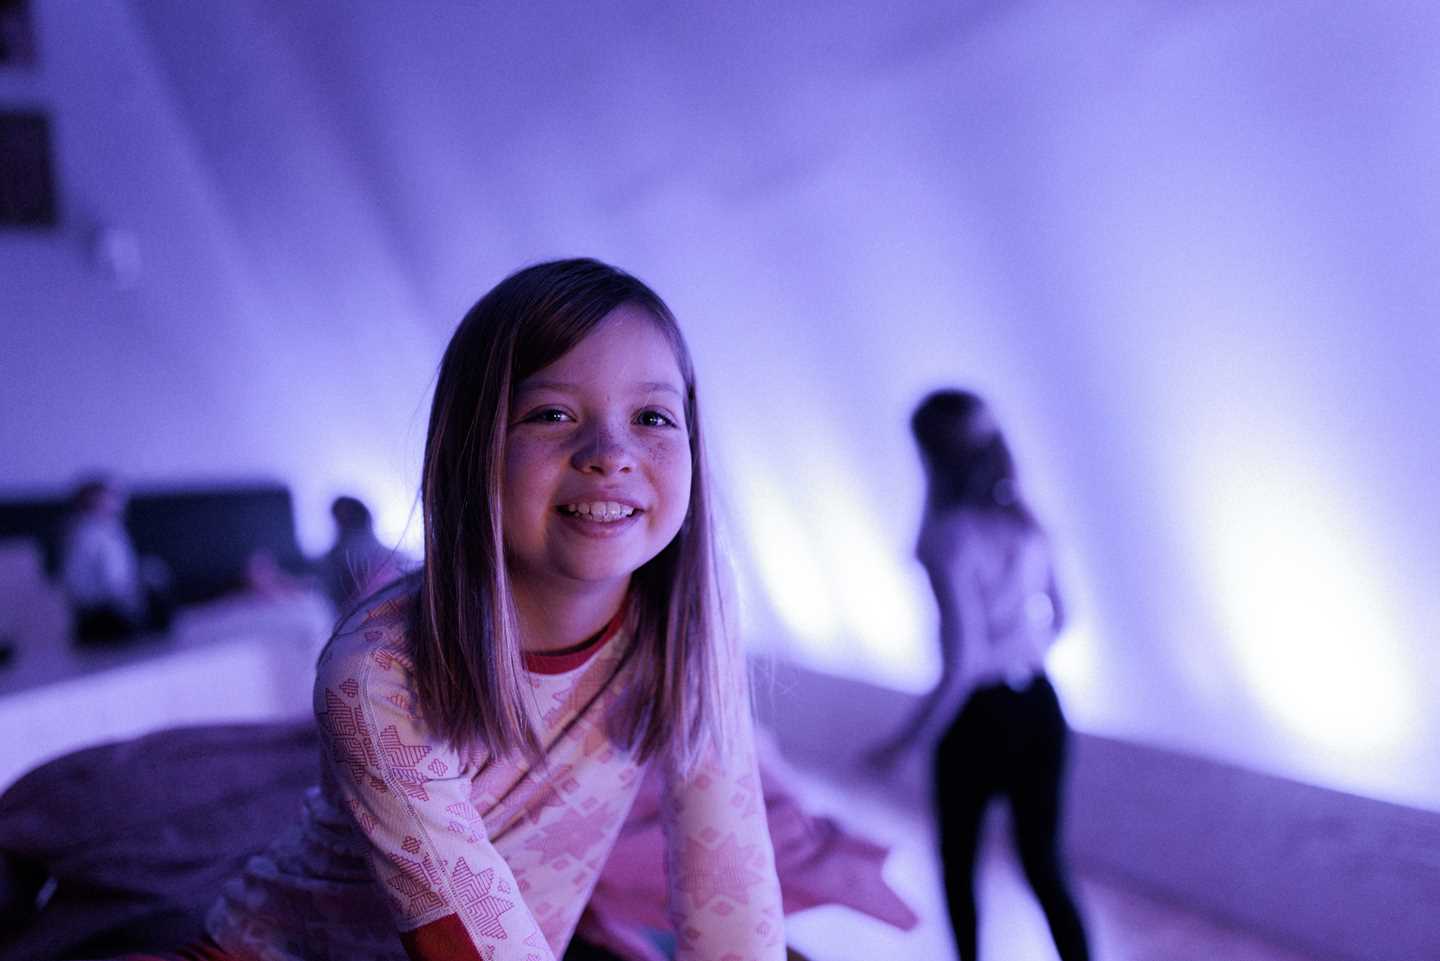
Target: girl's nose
604	451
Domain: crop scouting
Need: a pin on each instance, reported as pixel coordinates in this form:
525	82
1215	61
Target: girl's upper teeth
601	510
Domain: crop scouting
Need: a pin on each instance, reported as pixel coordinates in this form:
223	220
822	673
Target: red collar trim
561	662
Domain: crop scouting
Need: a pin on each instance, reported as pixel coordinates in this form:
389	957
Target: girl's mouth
599	512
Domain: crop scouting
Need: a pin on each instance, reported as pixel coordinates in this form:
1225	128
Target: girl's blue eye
654	418
550	415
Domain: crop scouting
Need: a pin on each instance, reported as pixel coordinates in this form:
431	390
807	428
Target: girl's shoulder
994	525
365	684
960	535
944	532
379	629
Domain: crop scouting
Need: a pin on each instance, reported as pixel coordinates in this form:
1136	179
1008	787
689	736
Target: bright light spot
835	582
1307	615
790	572
877	605
398	520
1072	664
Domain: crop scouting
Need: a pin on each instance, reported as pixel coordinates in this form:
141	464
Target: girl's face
597	460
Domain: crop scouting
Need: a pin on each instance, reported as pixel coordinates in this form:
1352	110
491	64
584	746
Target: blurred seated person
112	592
358	562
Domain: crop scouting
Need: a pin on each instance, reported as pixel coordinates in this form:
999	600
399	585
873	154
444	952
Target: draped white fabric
1188	250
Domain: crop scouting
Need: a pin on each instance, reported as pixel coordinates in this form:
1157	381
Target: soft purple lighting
1190	253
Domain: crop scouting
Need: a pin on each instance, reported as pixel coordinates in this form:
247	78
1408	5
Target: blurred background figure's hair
966	458
350	513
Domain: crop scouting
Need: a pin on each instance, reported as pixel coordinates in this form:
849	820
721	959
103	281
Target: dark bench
205	534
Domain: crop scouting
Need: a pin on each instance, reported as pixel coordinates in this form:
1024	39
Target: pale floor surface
1123	924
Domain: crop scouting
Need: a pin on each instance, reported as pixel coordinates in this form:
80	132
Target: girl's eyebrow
562	386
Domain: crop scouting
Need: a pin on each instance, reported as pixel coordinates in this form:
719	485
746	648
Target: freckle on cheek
667	454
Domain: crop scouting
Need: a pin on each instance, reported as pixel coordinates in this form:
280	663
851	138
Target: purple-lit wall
1188	250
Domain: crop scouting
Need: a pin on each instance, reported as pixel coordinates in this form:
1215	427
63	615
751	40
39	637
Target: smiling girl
487	720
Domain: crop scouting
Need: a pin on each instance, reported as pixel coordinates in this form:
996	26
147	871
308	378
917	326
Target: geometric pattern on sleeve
413	885
571	835
349	738
403	761
476	894
723	871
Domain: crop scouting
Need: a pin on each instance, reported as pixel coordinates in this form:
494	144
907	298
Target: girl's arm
451	894
724	893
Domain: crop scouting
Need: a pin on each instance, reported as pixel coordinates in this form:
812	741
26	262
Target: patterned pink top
482	857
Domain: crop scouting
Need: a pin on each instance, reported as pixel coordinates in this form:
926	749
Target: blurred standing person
989	564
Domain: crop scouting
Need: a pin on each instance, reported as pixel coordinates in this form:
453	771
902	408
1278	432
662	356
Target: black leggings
1011	743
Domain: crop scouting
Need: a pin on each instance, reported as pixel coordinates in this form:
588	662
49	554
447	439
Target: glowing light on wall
1309	619
790	573
877	603
1073	665
385	488
834	578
